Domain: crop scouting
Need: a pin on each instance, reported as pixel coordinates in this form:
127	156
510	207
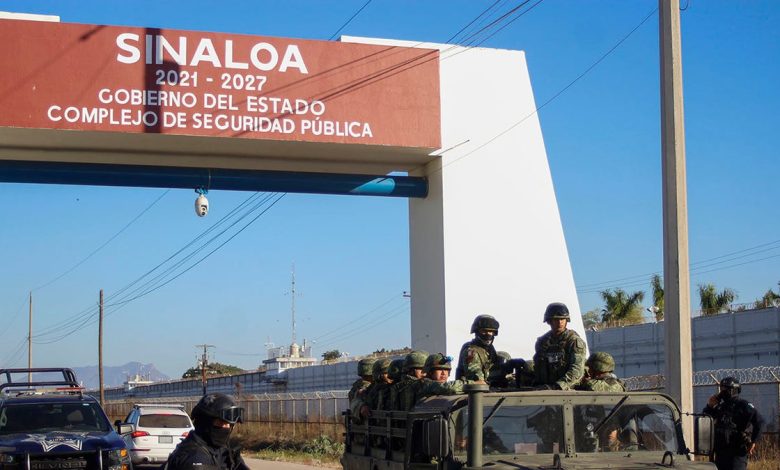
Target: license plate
166	440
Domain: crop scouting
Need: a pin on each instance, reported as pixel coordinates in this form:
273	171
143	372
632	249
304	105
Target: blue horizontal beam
91	174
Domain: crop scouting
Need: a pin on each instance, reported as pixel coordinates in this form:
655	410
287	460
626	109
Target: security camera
201	206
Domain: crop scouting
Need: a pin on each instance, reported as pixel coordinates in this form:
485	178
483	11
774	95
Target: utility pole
677	310
100	351
29	343
204	361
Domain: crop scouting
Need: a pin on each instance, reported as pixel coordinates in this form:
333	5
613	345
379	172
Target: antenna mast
292	296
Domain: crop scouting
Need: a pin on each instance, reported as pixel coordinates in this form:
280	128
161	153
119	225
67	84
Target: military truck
527	430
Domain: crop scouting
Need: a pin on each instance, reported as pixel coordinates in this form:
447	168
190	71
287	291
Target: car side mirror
703	435
117	423
124	428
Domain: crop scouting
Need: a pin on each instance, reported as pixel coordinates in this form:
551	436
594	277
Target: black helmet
556	310
730	387
217	405
485	322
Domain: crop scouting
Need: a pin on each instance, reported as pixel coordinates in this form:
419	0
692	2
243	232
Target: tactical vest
727	432
403	394
551	361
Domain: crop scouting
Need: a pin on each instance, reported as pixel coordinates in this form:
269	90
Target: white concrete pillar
488	238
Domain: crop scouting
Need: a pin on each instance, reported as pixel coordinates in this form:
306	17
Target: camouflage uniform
559	360
384	395
426	387
365	370
370	395
401	393
606	382
600	377
358	386
477	357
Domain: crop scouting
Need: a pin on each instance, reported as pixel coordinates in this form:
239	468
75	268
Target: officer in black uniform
207	447
737	426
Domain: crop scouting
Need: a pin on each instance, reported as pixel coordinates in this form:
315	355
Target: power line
104	244
14	316
473	21
551	99
352	322
92	308
349	20
696	268
472	39
87	317
387	316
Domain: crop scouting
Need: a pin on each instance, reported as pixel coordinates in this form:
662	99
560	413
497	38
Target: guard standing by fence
737	426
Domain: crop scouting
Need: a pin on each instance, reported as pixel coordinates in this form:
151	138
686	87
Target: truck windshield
515	429
45	417
632	427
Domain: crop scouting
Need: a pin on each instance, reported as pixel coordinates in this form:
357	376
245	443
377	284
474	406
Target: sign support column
677	316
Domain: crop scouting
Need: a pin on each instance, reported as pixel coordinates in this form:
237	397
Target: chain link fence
760	386
272	416
753	375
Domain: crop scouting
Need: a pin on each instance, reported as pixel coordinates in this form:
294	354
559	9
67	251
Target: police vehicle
48	423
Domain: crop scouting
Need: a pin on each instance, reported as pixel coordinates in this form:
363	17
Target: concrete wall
726	341
338	376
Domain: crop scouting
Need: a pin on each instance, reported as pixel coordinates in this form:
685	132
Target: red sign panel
142	80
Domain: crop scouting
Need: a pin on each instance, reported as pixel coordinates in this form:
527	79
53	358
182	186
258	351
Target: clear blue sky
351	254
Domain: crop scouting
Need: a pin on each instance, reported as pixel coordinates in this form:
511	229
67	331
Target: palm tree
658	297
768	300
713	302
590	319
620	307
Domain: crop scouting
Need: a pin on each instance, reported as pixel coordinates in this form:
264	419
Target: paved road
257	464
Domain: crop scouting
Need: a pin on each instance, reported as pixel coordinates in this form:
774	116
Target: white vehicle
156	430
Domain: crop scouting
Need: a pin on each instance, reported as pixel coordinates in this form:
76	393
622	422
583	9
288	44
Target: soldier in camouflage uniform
559	362
400	392
477	357
395	374
600	375
371	396
428	386
364	370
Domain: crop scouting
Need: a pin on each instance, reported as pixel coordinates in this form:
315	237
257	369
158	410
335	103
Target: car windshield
162	420
630	427
44	417
514	429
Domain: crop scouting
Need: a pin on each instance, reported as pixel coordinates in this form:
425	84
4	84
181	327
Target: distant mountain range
116	376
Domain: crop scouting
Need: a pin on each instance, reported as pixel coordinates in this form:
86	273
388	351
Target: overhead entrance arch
88	104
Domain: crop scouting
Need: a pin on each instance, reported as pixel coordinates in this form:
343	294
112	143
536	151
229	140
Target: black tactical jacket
195	454
737	425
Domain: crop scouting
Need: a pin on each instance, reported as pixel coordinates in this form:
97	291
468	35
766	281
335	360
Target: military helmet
730	386
437	361
486	322
396	369
556	310
217	405
365	366
601	362
503	357
415	360
380	367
